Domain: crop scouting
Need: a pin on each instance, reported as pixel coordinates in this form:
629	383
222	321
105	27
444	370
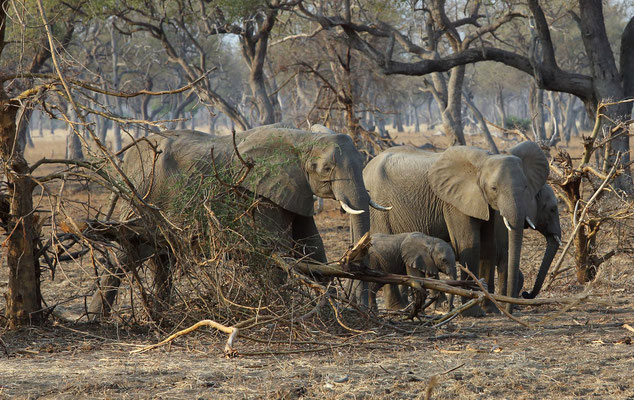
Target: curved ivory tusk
506	222
379	207
530	223
349	209
558	239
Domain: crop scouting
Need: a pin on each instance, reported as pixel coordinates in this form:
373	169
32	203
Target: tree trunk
416	119
398	122
483	125
73	144
536	101
41	124
499	100
23	296
607	82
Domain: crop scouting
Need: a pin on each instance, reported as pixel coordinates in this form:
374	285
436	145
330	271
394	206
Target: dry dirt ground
583	352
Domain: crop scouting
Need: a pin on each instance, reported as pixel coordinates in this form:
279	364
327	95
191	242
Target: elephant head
472	180
291	166
444	258
547	223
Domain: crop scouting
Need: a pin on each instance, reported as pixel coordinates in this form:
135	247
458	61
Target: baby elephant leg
393	298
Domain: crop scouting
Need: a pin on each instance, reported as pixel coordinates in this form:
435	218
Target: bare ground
584	352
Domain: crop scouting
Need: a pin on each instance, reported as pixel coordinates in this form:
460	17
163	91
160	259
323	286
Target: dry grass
583	353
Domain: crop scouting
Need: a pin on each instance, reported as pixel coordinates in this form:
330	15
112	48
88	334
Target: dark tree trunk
398	122
23	295
254	50
607	80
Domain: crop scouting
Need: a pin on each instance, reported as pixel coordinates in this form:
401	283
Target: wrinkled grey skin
318	128
414	254
452	196
546	220
290	167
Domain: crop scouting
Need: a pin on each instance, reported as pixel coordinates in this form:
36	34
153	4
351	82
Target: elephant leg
373	289
393	297
307	238
106	294
161	265
361	292
277	223
464	233
486	270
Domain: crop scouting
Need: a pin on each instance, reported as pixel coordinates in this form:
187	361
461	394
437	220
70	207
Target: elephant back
398	177
157	164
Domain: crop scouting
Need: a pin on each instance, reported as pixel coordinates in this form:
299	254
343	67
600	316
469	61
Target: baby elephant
413	253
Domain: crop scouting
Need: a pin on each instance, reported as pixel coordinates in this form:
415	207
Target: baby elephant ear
535	164
454	179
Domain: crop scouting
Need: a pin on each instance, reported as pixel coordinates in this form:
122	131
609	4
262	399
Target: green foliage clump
513	122
223	248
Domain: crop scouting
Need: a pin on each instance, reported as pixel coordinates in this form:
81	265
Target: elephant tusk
379	207
506	222
558	239
530	223
349	209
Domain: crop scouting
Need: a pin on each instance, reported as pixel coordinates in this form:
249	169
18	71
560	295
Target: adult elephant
452	195
546	221
290	166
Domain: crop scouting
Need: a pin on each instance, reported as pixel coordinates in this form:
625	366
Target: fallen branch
230	330
448	286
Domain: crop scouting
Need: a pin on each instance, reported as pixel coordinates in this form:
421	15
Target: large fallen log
350	266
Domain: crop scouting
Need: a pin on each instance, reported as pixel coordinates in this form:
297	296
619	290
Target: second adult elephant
290	166
452	195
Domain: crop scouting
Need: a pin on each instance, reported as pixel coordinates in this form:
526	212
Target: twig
456	311
99	90
433	381
488	296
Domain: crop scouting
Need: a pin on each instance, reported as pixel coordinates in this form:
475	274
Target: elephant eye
494	188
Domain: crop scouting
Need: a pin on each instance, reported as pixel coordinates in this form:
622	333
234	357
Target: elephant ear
454	179
535	164
278	172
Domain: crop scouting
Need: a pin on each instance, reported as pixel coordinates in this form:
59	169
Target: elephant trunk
515	250
356	199
551	249
514	219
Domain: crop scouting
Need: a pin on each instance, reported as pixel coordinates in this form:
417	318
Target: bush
513	122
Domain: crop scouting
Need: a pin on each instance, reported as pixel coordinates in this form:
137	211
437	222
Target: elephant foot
490	308
475	311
